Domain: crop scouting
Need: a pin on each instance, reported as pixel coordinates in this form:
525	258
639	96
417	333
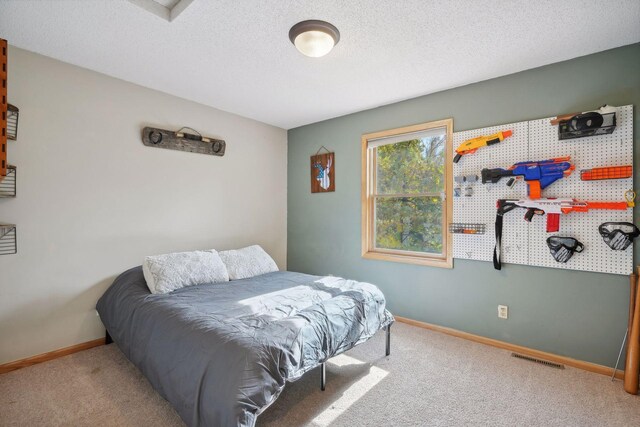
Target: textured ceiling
236	56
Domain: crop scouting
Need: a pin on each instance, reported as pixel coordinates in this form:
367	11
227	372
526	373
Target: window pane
415	166
409	223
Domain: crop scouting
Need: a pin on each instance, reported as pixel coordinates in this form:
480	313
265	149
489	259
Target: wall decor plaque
183	141
323	175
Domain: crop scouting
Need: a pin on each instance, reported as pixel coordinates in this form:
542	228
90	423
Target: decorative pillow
247	262
166	273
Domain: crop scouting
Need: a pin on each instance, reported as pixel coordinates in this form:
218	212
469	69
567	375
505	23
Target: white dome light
314	38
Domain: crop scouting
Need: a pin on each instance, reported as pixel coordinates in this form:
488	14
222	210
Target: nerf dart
538	174
553	208
470	146
612	172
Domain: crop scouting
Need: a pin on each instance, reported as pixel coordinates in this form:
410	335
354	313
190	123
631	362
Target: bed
221	353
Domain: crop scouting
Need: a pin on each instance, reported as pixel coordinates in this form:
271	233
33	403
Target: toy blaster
470	146
553	208
538	175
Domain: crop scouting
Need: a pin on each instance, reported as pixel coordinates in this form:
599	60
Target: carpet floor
430	379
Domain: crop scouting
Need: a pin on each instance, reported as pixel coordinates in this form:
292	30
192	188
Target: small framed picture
323	175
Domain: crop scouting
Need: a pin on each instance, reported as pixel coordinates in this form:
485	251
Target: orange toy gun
552	208
470	146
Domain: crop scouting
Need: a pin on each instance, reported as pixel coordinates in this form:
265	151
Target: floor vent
540	361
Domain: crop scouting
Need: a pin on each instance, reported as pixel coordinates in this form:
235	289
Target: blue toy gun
538	175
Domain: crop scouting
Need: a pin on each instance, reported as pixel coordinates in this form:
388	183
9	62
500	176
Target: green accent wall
577	314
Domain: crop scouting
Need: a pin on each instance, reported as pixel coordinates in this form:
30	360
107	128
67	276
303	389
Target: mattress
222	353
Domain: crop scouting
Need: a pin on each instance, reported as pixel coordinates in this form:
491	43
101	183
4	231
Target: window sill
410	259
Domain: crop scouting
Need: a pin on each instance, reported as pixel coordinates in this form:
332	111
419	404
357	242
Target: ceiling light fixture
314	38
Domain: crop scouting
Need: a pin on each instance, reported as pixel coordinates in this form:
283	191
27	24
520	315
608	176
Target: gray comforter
222	353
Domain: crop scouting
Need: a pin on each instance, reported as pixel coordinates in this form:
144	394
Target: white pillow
166	273
247	262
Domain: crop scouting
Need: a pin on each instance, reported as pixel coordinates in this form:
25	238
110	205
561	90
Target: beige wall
93	201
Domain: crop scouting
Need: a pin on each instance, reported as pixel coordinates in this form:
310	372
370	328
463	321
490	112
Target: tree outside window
406	194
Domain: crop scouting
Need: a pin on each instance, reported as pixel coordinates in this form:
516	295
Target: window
406	194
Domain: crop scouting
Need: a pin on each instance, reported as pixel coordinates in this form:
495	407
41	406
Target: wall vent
536	360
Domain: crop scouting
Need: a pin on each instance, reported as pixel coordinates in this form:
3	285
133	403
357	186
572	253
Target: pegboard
525	243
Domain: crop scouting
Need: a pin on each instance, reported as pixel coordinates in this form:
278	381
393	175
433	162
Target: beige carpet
430	379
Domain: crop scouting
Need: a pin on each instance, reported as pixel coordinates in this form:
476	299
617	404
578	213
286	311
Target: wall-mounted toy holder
523	242
8	130
8	184
8	240
12	122
587	124
466	181
466	228
183	141
3	108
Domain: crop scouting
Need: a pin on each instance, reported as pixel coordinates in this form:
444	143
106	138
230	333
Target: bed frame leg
388	350
107	338
323	368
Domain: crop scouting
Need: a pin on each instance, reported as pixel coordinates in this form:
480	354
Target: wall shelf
8	183
12	122
8	240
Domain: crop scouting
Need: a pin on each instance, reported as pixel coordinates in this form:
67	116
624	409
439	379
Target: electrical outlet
503	311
